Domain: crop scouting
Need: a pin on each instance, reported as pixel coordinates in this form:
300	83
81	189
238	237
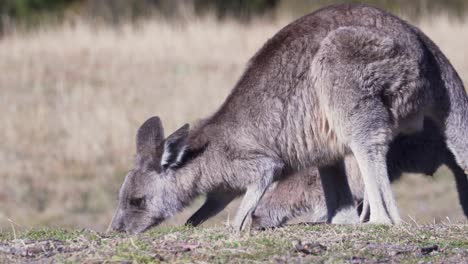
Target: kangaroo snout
118	226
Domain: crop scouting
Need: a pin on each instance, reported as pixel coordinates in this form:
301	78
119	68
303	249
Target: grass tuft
296	243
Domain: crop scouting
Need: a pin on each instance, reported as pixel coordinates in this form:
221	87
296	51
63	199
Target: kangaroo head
150	192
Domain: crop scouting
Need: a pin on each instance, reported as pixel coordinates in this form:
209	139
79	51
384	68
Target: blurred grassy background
79	77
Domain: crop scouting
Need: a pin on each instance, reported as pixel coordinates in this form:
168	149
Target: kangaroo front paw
243	224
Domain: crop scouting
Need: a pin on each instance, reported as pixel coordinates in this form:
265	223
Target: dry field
72	97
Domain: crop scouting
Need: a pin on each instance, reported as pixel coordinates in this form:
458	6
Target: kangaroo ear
175	147
149	136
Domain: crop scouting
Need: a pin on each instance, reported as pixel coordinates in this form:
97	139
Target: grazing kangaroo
302	193
345	79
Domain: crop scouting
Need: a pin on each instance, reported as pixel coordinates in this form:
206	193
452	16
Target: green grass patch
337	244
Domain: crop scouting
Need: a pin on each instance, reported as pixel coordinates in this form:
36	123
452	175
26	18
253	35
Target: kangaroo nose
118	226
117	223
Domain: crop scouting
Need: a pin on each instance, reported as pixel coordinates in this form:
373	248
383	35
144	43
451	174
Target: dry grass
72	98
293	244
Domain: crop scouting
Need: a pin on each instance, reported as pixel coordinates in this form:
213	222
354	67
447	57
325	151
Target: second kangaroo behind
302	193
345	79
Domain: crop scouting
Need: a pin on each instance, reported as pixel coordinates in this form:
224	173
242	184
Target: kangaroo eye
137	202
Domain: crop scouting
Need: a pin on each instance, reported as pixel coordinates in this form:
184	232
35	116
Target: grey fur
345	79
302	193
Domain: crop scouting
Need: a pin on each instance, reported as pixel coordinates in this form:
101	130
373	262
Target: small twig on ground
12	228
449	221
407	231
414	221
133	244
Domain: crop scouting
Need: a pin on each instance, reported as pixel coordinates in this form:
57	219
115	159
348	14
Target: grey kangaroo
344	79
302	193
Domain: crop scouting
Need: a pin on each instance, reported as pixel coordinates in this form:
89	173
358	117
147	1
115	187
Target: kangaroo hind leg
369	143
